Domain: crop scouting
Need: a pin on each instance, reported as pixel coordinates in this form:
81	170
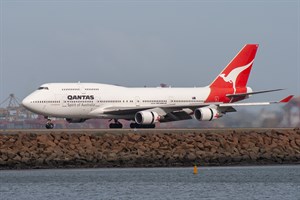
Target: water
277	182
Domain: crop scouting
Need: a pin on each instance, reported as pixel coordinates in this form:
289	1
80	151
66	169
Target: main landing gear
136	125
49	124
117	124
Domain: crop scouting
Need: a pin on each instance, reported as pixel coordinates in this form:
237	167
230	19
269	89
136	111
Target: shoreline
183	167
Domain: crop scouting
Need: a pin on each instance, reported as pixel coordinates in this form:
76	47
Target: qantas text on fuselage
144	107
80	97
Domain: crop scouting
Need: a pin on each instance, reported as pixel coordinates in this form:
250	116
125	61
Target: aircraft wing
178	112
170	113
112	110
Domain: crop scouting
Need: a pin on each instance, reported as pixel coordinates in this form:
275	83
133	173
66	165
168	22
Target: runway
121	131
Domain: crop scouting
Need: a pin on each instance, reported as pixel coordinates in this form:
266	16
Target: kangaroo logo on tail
232	76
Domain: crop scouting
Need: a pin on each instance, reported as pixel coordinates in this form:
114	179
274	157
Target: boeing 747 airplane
77	102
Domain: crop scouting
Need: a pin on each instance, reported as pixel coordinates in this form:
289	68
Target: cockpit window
43	88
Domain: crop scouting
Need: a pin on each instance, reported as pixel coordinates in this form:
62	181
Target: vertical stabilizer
236	73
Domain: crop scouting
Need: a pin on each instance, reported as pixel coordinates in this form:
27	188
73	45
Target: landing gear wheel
117	124
151	126
49	125
136	125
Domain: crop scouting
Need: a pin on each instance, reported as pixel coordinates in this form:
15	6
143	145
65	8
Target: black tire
49	126
133	125
115	125
149	126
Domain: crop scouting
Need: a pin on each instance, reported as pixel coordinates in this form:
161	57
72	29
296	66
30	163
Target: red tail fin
236	73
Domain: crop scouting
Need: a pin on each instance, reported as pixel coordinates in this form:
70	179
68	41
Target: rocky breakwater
149	149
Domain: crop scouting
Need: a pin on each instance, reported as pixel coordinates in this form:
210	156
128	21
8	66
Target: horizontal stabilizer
251	93
285	100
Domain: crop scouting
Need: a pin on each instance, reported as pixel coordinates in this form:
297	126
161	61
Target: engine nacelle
76	120
146	117
206	114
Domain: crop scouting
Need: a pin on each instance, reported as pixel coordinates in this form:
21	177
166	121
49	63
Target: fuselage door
97	100
64	102
171	100
62	99
137	101
82	88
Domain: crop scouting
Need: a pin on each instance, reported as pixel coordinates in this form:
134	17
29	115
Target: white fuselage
85	100
78	102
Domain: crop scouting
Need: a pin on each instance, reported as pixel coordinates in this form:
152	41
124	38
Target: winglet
287	99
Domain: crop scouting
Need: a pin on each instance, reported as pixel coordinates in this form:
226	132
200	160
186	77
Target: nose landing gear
49	124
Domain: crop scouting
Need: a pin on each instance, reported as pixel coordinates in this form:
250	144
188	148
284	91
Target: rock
253	156
294	145
244	145
83	138
151	149
105	145
74	139
17	158
11	140
65	136
189	146
10	153
297	141
200	146
200	153
235	140
4	158
64	142
155	145
72	146
191	156
207	144
42	138
213	150
141	153
87	143
134	137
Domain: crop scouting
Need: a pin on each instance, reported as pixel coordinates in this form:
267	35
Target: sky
183	43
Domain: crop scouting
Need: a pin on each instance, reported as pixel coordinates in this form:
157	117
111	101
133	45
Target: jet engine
146	117
76	120
206	114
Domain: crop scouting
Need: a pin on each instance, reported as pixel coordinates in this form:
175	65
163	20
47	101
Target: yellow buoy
195	170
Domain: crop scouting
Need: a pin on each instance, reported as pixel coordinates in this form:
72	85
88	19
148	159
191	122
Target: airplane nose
26	102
